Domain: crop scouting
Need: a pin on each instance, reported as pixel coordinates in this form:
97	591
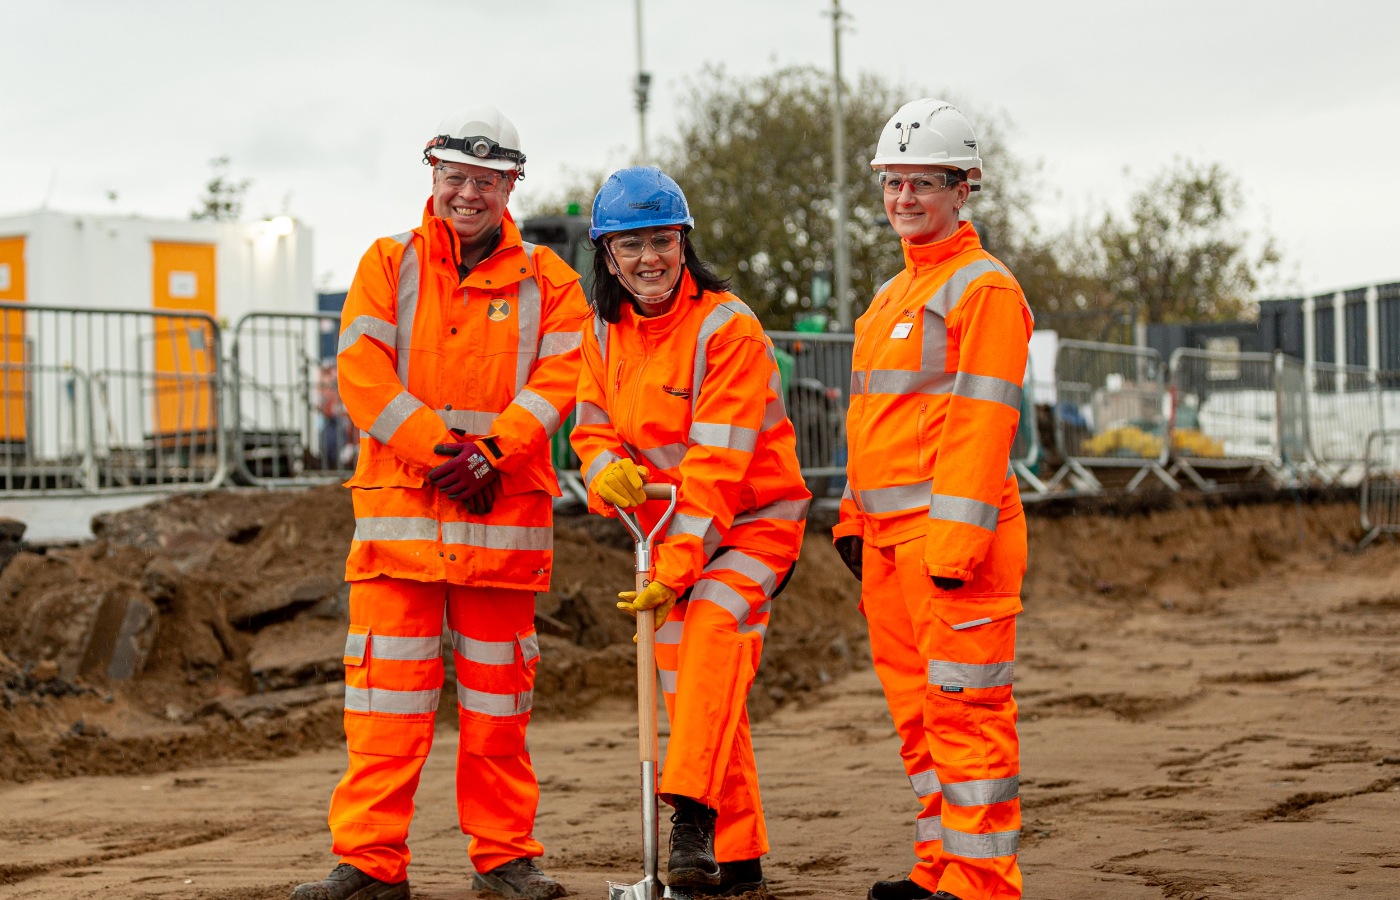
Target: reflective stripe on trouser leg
495	653
902	671
708	652
391	699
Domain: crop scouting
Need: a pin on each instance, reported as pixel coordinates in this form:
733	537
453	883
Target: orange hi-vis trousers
707	653
948	685
393	679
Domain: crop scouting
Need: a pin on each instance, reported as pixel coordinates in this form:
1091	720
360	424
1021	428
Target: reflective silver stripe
973	624
384	647
946	298
498	537
945	673
543	411
924	783
376	328
665	457
901	381
760	628
713	322
963	509
600	462
764	609
930	829
494	704
407	307
895	499
557	342
981	846
983	792
530	647
750	568
857	383
882	287
383	700
395	528
667	679
488	653
600	332
723	596
527	315
782	510
773	414
355	645
985	387
670	633
394	414
472	421
402	239
591	414
732	437
697	526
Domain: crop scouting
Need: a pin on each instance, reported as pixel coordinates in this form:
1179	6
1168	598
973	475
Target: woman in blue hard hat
679	385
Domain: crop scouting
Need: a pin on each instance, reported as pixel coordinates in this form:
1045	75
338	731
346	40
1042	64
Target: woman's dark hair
609	294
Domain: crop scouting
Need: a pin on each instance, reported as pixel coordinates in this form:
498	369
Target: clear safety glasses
484	182
921	182
632	247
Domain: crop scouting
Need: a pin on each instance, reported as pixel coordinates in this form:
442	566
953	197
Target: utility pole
842	266
642	87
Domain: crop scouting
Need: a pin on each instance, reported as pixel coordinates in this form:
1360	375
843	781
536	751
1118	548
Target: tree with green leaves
223	196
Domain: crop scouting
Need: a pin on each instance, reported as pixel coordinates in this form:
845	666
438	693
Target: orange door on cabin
183	279
12	410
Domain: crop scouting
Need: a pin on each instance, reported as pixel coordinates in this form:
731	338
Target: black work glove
851	547
946	584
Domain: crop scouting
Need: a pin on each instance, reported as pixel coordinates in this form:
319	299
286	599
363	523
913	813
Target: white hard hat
930	132
480	136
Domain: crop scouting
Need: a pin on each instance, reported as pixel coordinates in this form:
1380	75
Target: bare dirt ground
1209	705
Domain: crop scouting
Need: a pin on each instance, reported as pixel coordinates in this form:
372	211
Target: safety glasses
632	247
921	182
484	182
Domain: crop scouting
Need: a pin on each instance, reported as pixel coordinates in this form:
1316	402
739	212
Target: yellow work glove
621	484
655	596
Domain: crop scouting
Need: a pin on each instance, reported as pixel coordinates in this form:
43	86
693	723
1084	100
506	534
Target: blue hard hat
638	197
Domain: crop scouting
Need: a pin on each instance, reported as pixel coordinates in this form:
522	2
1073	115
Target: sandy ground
1178	741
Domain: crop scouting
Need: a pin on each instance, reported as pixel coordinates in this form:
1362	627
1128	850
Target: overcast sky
326	106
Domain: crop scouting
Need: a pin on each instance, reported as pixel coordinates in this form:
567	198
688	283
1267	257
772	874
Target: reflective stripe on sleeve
703	528
363	326
723	596
404	648
945	673
750	568
498	537
713	322
667	456
527	314
591	414
543	411
407	306
399	703
930	829
924	783
557	342
731	437
985	387
494	704
981	846
774	414
471	421
782	510
983	792
963	509
600	462
946	298
896	498
395	528
667	679
394	414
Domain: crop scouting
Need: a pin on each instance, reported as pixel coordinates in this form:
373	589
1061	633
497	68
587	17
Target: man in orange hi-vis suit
932	520
458	359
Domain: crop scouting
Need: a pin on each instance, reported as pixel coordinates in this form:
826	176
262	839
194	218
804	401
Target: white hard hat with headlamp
480	136
930	133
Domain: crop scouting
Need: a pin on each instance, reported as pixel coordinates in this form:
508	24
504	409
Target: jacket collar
684	303
507	264
920	257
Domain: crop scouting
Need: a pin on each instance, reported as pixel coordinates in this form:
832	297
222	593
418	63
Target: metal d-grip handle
643	542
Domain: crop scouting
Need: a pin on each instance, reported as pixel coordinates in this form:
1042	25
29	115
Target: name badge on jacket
901	331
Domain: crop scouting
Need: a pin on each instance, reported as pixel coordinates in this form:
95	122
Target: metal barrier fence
1380	485
1110	414
1345	404
817	400
108	400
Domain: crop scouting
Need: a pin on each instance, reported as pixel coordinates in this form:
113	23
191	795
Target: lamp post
641	87
842	265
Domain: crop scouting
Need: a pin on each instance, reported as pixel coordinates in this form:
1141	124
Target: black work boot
898	890
692	862
348	883
519	879
737	878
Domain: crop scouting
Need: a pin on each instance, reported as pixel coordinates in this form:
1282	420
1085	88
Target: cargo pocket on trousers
493	724
976	662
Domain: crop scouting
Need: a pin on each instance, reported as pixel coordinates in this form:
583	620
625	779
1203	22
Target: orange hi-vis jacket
695	396
936	378
494	355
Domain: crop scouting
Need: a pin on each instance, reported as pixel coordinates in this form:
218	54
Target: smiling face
475	212
651	275
922	218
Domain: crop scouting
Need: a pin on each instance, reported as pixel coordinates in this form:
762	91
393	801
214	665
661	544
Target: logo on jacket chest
683	393
498	310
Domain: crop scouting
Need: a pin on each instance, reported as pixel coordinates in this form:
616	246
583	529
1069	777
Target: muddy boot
348	883
519	879
737	878
692	861
899	890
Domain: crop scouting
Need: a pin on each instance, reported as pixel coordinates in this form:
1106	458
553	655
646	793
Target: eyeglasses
484	182
632	247
921	182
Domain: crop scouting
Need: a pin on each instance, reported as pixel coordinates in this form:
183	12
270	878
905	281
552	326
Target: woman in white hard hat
932	512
